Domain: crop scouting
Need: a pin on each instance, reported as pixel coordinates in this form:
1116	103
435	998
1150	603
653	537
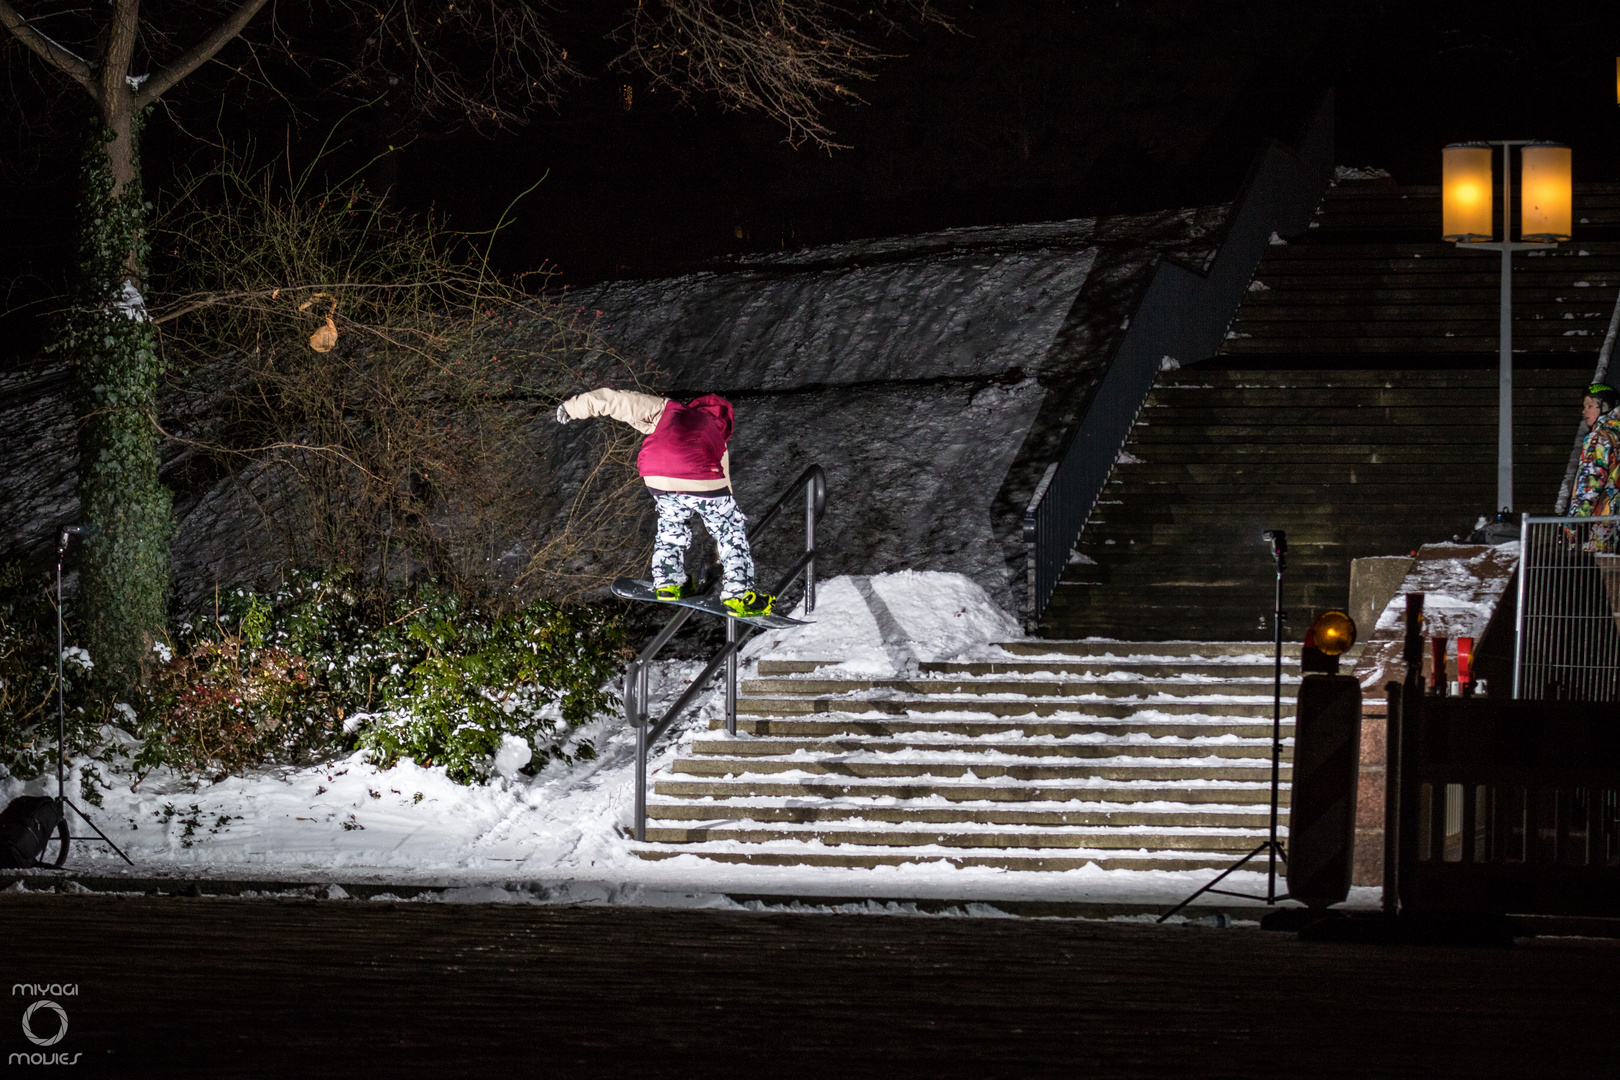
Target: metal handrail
814	482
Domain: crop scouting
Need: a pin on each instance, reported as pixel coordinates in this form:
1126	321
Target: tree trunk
124	565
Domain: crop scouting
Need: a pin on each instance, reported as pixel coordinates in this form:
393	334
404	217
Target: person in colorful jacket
1597	483
686	464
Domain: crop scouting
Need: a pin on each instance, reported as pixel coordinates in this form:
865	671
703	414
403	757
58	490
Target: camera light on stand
1545	194
1466	201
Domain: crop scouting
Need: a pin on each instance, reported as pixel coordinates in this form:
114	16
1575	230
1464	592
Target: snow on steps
1042	756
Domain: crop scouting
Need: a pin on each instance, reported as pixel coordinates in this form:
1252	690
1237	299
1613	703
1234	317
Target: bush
532	674
321	667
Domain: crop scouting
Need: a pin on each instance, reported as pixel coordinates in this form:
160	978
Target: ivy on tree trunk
112	349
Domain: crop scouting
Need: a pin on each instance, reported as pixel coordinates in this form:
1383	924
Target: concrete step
1033	838
809	855
1222	817
1128	768
760	706
1178	749
834	690
1136	650
1201	379
1224	793
1073	725
1477	396
793	667
1151	669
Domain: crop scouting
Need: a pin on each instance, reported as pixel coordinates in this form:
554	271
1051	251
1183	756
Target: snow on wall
918	371
964	313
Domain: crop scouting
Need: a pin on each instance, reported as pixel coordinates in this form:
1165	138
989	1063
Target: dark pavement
236	987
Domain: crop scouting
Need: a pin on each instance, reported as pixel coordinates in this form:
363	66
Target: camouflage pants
725	523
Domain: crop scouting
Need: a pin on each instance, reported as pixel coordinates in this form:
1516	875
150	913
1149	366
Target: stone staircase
1349	463
1354	405
1047	755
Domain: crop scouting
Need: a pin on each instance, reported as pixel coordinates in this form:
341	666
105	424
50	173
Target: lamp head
1333	632
1466	192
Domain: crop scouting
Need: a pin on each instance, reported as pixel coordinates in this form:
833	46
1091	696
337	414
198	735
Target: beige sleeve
640	411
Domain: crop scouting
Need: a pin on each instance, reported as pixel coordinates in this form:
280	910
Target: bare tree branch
416	53
784	58
59	57
198	54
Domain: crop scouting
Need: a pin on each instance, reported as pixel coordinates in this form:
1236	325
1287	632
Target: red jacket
689	440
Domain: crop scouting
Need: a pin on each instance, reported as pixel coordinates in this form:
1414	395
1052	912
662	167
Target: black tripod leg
1235	866
86	819
62	841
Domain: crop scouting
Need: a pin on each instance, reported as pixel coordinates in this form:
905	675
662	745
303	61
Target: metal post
641	782
1392	799
1276	738
1504	390
1504	334
810	545
1518	615
61	707
630	693
731	679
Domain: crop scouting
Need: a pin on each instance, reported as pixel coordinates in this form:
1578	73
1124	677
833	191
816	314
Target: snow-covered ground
563	835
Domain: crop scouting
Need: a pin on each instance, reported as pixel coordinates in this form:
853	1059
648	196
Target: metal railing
1567	630
1183	315
814	482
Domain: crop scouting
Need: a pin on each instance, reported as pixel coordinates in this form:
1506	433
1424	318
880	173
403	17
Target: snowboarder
686	464
1597	484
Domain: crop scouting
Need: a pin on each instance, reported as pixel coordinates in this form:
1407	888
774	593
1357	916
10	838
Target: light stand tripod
68	531
1271	846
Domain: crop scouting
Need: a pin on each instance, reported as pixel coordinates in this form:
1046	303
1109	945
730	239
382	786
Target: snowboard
636	589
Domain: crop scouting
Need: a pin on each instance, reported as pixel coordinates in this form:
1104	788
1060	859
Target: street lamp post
1469	221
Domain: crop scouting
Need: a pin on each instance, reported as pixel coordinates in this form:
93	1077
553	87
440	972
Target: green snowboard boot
675	592
750	603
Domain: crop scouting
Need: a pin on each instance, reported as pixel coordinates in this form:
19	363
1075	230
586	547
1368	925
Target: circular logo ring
61	1014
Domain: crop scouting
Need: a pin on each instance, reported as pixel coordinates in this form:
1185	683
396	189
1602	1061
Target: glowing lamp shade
1333	632
1544	206
1465	192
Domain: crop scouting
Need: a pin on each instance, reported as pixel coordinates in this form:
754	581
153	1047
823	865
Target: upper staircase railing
1182	315
814	482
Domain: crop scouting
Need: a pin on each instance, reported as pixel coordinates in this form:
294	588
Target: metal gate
1568	642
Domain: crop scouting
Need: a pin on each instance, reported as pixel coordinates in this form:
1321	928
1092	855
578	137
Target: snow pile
885	624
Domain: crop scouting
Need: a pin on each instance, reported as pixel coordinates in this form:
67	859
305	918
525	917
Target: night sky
1033	110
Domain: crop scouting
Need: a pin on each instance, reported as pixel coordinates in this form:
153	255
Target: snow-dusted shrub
226	705
323	665
533	674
